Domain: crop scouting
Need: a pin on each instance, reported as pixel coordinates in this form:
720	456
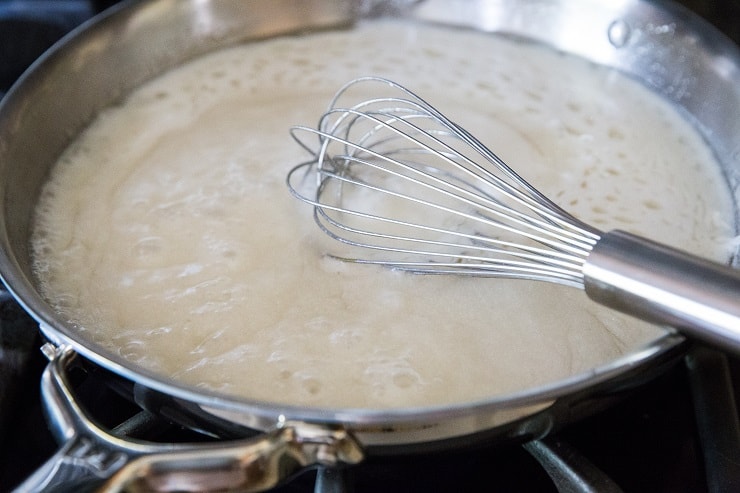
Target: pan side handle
90	455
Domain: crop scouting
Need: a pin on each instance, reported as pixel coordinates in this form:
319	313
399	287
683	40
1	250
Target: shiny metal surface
666	286
90	454
440	202
454	206
569	470
658	43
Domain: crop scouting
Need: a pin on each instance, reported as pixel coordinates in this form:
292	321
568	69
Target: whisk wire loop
407	188
548	222
417	192
456	194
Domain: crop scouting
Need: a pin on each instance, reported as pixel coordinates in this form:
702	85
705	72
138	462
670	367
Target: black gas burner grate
28	28
649	441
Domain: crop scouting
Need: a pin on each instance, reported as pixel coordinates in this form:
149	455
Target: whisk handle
666	286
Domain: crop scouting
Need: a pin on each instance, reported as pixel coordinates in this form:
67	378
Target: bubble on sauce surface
309	384
346	337
405	378
148	247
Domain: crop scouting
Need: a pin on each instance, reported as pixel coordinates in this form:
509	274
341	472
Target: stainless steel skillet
671	51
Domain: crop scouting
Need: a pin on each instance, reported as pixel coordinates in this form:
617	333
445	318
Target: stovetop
660	438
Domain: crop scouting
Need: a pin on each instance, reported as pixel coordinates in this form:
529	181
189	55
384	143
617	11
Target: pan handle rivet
50	351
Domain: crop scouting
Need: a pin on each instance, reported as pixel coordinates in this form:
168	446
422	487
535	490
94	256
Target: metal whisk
402	186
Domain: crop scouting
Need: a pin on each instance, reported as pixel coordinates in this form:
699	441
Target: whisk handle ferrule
666	286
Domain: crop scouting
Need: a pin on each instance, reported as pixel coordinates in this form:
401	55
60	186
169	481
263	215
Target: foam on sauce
166	231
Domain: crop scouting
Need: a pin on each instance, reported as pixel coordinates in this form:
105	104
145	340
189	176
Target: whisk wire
480	241
548	231
411	190
458	206
561	224
474	264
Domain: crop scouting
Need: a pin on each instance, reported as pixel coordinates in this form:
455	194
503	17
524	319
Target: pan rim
267	414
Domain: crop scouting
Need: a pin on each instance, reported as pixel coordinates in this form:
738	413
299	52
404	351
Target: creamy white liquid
167	232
